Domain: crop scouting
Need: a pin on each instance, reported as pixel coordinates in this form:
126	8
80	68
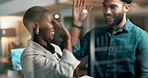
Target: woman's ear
35	25
36	28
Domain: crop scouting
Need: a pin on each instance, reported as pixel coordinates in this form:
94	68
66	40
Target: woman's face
46	26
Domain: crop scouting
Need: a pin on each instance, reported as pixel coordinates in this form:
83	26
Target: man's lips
109	18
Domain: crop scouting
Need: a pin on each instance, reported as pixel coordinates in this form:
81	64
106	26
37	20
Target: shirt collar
41	47
128	25
49	47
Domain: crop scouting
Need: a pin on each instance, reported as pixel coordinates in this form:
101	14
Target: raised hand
78	11
62	30
63	33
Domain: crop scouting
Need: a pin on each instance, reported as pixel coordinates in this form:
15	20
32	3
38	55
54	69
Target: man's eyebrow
118	5
114	5
110	4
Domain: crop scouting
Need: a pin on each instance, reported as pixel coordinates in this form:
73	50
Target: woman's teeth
53	33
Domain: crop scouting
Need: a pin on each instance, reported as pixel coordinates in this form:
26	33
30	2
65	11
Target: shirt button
109	51
109	48
112	40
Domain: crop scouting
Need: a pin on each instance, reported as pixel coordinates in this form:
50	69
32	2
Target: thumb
90	9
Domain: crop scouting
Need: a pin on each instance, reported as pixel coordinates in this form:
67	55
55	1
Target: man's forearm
75	34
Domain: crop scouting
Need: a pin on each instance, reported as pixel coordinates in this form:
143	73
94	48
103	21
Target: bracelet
74	25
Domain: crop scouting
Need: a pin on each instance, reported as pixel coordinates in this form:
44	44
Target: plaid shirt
120	55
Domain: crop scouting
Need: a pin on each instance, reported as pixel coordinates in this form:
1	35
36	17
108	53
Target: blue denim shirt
120	55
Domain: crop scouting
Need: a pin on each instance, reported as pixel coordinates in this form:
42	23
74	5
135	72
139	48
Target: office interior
13	34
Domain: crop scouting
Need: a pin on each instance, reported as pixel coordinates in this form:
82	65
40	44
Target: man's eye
113	6
104	6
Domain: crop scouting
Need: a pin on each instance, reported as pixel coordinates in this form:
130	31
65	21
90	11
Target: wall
16	6
17	40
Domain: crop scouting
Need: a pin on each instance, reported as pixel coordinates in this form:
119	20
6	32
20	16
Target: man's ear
127	7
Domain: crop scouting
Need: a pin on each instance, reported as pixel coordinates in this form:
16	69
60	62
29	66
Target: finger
90	9
79	3
57	24
62	25
84	3
64	29
74	3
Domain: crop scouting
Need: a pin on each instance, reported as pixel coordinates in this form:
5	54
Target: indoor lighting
7	32
8	21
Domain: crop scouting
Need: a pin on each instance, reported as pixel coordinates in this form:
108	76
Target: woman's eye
53	23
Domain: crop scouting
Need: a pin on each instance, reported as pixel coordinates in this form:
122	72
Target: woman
42	59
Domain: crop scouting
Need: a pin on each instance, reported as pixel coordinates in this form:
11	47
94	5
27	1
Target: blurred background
14	36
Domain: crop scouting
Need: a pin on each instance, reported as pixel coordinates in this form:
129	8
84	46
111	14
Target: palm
62	31
78	8
78	14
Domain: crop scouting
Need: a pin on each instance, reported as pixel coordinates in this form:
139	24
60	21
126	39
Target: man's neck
118	27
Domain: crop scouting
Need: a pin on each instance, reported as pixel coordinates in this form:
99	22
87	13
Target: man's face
113	11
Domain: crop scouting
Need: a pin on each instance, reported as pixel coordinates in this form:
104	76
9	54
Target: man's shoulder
134	28
138	30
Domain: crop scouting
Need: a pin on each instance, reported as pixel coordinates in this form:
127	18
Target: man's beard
118	19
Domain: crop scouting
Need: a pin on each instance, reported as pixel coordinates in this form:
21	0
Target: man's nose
108	10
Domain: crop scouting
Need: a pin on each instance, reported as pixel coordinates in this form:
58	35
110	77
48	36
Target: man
120	47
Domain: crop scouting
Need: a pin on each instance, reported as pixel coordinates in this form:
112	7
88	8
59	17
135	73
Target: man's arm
75	33
142	57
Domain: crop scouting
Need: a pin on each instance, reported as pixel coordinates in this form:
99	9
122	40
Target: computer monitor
15	58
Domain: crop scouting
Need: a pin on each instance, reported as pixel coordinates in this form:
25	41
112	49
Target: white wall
16	6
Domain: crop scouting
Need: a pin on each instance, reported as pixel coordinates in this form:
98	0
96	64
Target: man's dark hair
127	1
33	14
